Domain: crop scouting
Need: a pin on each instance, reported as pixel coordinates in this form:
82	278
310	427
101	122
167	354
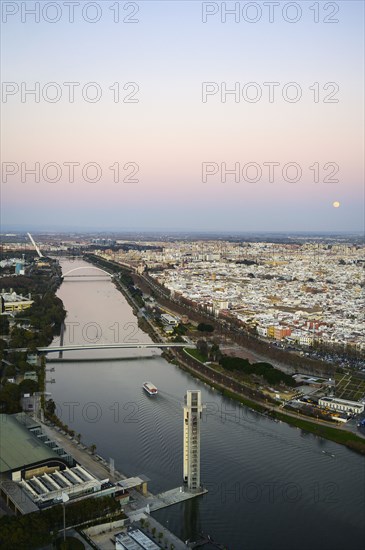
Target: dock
173	496
151	503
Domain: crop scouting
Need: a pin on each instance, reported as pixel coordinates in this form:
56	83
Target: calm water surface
270	485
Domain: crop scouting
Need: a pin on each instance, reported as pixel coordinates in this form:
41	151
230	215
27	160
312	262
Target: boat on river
150	388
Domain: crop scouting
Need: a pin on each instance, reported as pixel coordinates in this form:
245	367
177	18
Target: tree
24	366
3	345
202	347
215	353
10	371
28	386
4	325
180	329
204	327
93	448
9	398
153	531
35	530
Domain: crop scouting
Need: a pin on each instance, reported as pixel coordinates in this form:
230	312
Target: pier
151	503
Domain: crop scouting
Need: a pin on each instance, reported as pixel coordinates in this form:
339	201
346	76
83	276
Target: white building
192	418
342	405
306	340
262	331
169	320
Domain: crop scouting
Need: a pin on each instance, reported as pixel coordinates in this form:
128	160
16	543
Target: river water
270	485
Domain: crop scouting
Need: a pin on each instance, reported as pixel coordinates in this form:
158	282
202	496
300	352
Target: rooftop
132	482
18	446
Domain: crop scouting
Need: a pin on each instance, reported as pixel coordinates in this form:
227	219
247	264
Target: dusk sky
168	137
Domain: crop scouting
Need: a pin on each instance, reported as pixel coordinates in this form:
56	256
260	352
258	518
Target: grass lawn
334	434
196	354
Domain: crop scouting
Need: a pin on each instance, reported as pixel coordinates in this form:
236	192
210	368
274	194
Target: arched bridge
84	347
68	274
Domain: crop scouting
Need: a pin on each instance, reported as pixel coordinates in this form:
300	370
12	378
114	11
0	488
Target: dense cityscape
302	294
272	325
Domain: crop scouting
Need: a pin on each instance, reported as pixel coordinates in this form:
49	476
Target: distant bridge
83	347
68	274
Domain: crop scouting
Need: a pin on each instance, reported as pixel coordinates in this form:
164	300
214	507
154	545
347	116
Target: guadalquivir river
270	485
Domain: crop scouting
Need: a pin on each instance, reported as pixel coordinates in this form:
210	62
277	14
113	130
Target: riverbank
232	389
320	428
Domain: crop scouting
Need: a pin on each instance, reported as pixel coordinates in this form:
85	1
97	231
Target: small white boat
150	388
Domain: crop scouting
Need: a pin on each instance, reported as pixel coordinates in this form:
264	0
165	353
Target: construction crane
35	246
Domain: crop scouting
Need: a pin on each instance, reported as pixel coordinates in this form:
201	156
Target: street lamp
65	498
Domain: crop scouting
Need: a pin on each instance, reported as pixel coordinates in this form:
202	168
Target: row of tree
30	329
45	318
209	353
40	528
205	327
10	395
236	364
269	373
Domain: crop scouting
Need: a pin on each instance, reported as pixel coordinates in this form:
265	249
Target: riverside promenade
140	506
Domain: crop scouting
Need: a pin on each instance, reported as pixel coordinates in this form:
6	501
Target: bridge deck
106	276
84	347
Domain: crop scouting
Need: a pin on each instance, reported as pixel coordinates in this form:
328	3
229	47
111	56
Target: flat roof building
35	471
13	302
22	452
125	542
169	320
342	405
145	542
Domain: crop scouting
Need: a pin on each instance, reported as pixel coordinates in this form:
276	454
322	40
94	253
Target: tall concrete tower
192	417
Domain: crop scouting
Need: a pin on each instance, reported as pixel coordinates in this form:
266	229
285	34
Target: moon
335	204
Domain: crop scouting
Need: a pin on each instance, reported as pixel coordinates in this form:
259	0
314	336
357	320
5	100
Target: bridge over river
129	345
